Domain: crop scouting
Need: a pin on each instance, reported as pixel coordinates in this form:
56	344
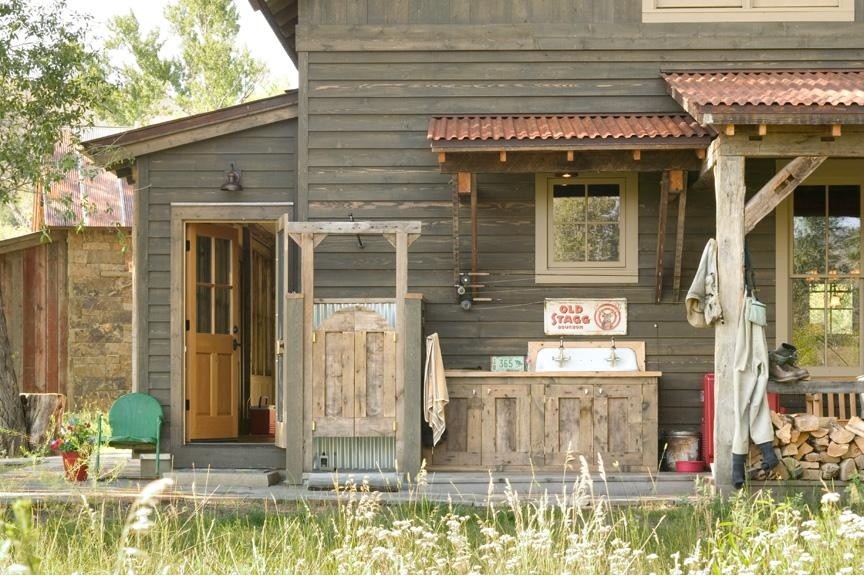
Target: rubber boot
739	462
786	358
769	458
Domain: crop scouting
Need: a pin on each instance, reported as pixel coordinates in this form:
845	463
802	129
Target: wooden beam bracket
778	188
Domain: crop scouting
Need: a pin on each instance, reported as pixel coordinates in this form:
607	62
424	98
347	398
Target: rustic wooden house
67	290
496	156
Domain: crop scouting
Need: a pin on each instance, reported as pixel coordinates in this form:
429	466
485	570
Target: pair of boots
739	463
783	365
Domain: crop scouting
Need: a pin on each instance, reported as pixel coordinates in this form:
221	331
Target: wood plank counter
540	420
816	387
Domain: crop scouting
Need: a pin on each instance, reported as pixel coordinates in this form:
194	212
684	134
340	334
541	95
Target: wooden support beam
569	155
679	242
663	212
637	155
364	227
455	234
836	130
464	183
729	193
778	188
474	237
502	156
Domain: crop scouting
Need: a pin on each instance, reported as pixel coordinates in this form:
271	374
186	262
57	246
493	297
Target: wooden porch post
729	191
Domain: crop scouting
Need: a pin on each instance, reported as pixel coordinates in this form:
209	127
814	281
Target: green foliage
76	435
50	82
212	70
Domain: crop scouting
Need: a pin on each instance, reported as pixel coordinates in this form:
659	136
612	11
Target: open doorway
229	333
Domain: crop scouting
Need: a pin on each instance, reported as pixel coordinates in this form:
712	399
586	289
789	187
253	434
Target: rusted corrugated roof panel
566	129
786	87
88	196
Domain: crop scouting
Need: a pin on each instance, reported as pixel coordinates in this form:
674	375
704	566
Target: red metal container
708	416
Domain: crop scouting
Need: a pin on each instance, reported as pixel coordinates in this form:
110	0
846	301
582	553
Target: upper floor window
747	10
586	229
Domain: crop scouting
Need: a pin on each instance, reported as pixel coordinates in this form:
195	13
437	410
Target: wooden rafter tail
570	155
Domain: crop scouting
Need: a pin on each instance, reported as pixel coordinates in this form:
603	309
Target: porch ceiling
799	97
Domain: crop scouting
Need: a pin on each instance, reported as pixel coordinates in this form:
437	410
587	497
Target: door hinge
313	425
187	404
394	336
313	337
280	346
188	246
394	426
187	325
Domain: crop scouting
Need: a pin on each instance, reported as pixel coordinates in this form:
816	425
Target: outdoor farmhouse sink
586	356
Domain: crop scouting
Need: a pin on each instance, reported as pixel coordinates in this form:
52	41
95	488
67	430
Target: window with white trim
747	10
819	273
586	229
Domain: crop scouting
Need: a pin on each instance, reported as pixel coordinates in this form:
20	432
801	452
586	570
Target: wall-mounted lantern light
232	180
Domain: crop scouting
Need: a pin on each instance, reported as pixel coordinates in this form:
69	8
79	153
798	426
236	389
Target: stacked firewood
815	448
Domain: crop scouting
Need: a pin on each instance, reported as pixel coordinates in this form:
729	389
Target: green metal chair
136	421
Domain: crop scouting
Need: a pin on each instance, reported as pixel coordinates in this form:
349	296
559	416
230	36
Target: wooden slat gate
354	375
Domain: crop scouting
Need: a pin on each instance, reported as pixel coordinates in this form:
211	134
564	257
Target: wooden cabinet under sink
519	421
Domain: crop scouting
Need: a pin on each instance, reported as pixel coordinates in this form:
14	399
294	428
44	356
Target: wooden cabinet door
463	444
618	424
568	424
506	425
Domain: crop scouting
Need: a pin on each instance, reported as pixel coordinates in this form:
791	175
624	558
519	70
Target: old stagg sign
585	317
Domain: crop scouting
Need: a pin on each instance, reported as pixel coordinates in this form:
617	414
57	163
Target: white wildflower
830	498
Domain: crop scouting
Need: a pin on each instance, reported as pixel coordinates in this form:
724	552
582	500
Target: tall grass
570	532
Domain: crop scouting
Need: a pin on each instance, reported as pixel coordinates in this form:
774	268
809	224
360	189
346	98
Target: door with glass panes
212	331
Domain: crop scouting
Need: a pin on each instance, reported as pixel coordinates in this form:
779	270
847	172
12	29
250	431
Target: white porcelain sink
587	357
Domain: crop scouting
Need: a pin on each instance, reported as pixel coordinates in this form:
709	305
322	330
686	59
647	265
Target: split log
859	441
813	456
830	471
779	420
827	421
784	434
802	438
810	465
795	434
811	474
804	449
790	450
854	450
43	414
826	458
848	469
821	444
819	432
841	435
859	462
856	426
806	422
837	450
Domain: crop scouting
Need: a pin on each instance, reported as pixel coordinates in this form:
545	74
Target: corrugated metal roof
88	196
565	128
781	88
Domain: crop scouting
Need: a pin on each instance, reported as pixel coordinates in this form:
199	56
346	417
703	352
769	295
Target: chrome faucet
613	357
562	358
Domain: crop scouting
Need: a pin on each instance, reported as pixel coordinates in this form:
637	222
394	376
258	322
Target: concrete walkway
43	479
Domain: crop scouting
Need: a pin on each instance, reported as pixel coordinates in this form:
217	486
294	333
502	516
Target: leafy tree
50	80
211	71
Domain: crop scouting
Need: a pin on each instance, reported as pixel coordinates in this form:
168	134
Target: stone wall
100	317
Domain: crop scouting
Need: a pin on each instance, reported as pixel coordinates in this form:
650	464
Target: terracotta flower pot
75	467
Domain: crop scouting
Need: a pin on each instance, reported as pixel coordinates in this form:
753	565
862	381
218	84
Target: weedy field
574	531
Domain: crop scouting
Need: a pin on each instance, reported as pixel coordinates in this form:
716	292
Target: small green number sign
508	363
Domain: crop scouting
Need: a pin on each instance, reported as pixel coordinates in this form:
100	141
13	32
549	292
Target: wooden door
463	444
354	375
618	424
506	425
568	423
212	331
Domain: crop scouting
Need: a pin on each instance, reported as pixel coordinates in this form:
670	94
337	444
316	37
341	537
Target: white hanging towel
435	396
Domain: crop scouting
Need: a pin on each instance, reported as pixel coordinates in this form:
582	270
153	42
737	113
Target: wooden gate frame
308	235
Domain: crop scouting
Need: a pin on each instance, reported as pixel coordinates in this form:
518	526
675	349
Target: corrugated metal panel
783	88
324	310
88	195
355	453
516	128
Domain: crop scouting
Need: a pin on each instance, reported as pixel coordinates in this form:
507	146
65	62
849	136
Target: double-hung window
586	229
